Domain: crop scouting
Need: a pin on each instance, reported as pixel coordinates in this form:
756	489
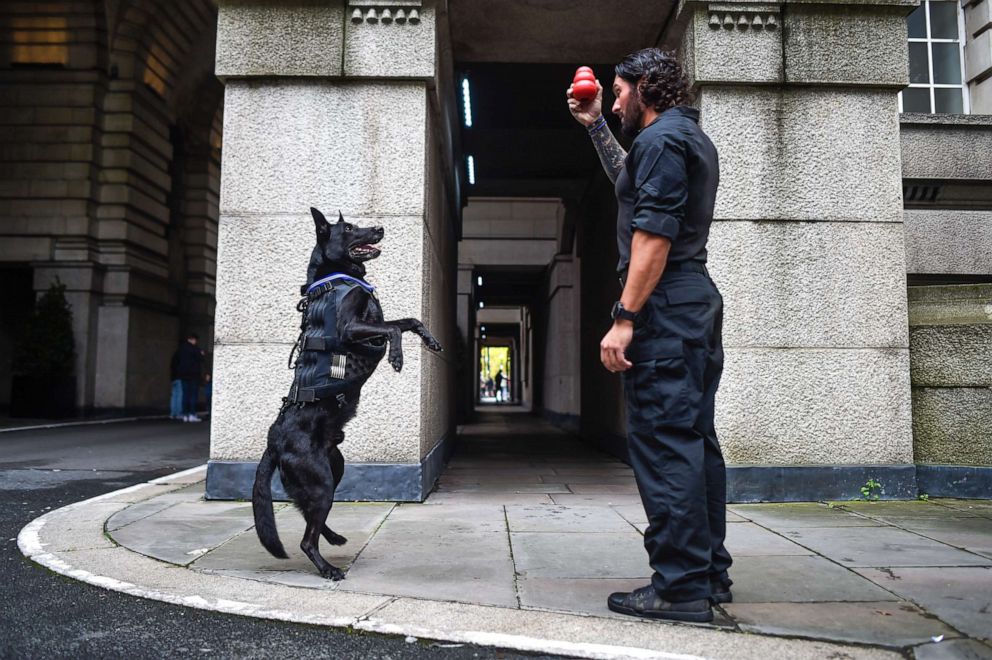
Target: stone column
326	105
807	247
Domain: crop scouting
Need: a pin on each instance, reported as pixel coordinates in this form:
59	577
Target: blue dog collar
341	276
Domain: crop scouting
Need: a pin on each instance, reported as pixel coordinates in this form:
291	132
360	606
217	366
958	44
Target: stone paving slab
973	507
436	564
597	499
747	539
904	510
512	487
546	518
953	649
490	498
800	580
580	555
802	514
490	517
137	512
180	540
971	534
960	596
882	546
888	624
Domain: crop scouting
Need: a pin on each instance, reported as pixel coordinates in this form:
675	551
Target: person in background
208	390
176	398
189	369
499	386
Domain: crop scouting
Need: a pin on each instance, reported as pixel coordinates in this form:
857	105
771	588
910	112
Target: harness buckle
342	400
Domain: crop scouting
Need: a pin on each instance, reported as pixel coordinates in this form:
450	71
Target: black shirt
667	186
187	363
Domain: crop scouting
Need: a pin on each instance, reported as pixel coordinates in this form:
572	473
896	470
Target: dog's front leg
415	325
361	331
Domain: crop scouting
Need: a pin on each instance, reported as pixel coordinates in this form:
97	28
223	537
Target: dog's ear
340	216
321	225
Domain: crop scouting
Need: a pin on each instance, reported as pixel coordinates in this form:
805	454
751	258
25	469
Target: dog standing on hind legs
343	336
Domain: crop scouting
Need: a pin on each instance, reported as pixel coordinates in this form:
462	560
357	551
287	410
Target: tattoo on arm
611	154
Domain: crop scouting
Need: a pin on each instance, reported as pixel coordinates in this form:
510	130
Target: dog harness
325	366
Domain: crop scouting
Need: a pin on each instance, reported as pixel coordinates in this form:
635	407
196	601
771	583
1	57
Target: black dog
343	337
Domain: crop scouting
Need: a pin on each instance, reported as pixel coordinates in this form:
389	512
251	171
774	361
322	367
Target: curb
88	422
71	541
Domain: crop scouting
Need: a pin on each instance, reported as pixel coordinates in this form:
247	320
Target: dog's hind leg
337	469
315	517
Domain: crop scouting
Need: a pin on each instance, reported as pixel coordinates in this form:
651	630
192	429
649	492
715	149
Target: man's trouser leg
176	400
190	392
670	451
716	471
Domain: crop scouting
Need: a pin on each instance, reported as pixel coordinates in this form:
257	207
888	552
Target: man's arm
648	256
590	114
611	154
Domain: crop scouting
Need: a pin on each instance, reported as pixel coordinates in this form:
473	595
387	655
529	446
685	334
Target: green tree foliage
46	348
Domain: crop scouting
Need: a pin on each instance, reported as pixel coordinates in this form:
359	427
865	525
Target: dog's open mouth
364	252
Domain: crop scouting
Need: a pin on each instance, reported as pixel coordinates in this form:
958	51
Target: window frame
929	40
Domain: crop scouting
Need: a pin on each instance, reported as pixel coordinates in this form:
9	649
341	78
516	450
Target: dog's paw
336	539
433	344
332	573
396	361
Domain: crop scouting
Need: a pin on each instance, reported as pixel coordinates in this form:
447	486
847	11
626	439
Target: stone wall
951	360
560	378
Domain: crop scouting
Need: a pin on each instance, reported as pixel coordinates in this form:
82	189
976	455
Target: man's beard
630	124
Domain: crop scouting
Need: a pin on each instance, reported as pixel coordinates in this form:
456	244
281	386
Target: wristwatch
619	312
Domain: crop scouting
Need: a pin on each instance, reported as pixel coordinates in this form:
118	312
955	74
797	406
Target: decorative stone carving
385	11
743	19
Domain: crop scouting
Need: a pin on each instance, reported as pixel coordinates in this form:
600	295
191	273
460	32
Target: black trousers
677	353
191	392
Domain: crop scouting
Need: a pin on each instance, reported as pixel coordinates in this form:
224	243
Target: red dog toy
584	84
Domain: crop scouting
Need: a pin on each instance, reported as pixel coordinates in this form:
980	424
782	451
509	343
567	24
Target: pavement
526	534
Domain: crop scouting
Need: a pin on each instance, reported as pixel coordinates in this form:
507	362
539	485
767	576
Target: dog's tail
261	504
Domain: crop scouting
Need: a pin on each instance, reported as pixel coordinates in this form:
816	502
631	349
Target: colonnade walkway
526	534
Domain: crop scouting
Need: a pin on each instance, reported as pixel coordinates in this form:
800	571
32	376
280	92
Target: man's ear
321	225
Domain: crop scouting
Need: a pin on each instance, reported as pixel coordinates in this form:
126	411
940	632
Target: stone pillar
327	105
807	247
951	351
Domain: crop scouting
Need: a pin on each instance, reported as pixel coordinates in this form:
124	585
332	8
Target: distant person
489	387
499	386
208	390
176	399
189	369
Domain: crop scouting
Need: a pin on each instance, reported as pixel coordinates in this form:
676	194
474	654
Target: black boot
720	593
645	602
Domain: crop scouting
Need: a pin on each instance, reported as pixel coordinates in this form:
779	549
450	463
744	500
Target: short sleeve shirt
667	186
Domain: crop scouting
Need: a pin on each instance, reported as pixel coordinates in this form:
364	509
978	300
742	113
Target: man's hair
658	78
192	335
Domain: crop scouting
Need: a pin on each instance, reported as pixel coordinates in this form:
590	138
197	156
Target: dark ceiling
562	31
524	140
508	287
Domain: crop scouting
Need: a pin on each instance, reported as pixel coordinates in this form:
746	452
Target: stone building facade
851	237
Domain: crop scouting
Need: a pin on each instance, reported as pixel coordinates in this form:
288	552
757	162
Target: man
666	334
188	361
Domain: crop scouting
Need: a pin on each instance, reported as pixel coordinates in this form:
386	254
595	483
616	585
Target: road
48	615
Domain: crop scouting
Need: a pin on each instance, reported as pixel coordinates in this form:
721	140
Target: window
935	60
